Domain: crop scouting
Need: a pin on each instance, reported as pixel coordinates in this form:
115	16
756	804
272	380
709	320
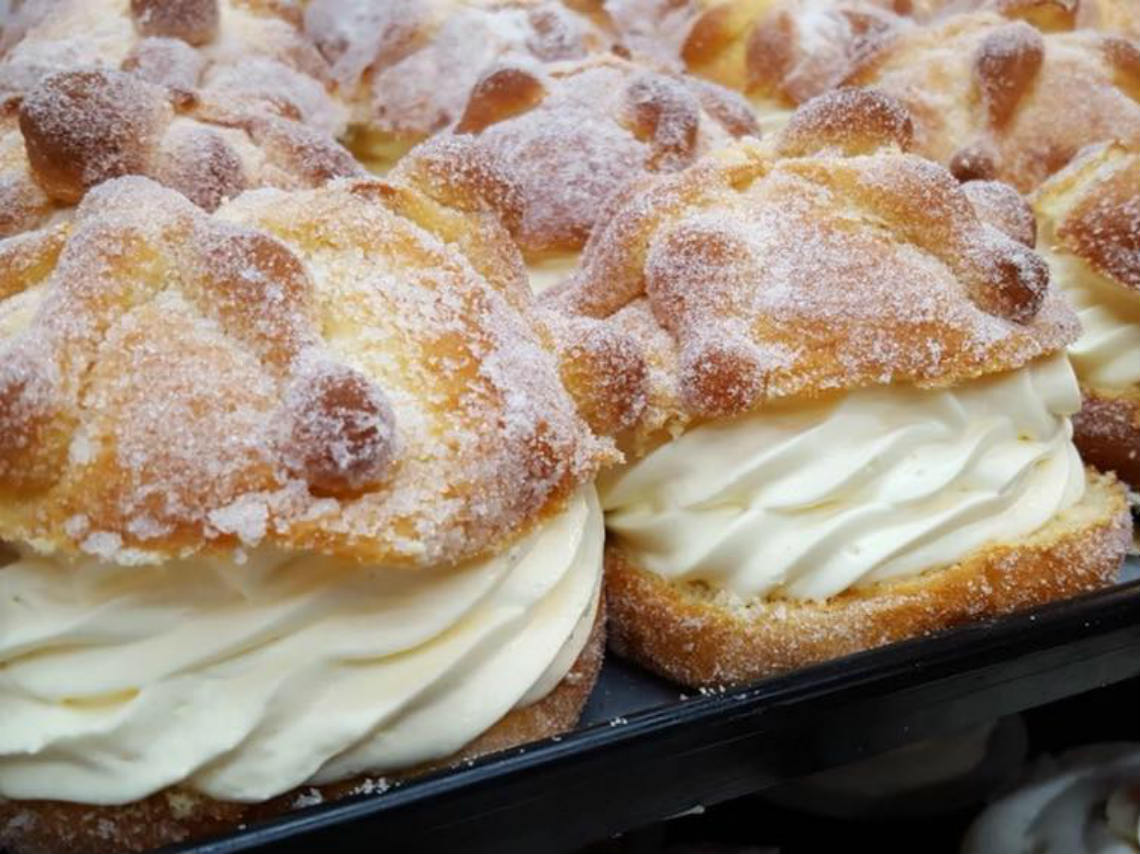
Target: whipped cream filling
550	271
242	681
1089	805
1107	355
804	500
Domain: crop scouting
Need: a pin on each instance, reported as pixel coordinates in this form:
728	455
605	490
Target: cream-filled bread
292	496
1090	235
545	148
805	500
406	66
984	81
853	421
1107	354
240	679
551	271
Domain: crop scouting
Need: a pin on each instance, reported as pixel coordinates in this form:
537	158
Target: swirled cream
245	681
1090	804
1107	355
806	500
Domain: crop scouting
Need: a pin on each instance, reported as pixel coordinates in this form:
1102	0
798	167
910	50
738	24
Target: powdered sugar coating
23	204
193	21
653	30
411	63
342	430
251	66
167	62
83	127
985	93
786	52
67	34
261	57
1107	16
251	106
1002	207
311	369
595	125
1092	210
848	121
775	277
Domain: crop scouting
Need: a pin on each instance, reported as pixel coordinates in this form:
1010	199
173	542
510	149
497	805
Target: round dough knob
193	21
82	128
341	433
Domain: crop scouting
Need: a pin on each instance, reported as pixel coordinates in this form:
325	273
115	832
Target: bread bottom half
175	815
1107	432
701	637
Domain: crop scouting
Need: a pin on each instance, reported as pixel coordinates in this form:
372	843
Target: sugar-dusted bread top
827	259
407	66
1091	209
545	147
209	98
996	98
353	369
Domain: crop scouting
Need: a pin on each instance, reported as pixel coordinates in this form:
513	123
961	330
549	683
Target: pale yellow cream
551	271
245	680
806	500
1107	355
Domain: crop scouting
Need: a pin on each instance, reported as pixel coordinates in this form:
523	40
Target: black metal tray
647	750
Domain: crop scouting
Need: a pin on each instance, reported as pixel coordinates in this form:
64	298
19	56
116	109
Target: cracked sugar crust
653	30
407	65
781	53
96	90
75	129
209	121
752	276
1091	209
985	93
984	81
1117	17
351	370
545	147
252	52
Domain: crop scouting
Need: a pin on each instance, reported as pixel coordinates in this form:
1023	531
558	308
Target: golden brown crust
1108	16
848	122
1003	207
1091	209
751	276
983	79
698	638
985	92
248	53
193	21
545	147
1107	432
23	204
249	107
350	370
788	51
173	815
407	66
1044	15
82	127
